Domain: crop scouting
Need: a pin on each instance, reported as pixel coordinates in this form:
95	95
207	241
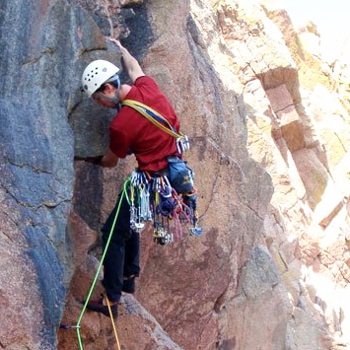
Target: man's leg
113	269
114	259
131	262
132	255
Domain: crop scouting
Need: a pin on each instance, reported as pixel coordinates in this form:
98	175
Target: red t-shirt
131	132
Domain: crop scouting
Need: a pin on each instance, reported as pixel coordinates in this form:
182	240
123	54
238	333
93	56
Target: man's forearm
131	64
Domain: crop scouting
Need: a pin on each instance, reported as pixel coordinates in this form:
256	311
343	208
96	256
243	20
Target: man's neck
124	90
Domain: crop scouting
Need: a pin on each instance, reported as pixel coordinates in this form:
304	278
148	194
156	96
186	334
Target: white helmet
96	74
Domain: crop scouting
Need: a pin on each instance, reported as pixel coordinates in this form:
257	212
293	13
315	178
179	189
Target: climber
129	133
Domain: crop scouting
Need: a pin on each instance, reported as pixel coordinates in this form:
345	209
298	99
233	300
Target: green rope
92	287
126	191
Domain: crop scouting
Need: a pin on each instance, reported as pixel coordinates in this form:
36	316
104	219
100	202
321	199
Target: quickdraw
152	199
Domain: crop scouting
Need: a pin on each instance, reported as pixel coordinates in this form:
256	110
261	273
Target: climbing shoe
100	305
129	284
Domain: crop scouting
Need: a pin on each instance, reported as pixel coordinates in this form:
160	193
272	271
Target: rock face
268	121
36	170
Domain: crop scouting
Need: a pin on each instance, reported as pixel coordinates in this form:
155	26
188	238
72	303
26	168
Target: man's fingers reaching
116	42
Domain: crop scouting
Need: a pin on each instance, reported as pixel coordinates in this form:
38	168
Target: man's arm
131	64
109	160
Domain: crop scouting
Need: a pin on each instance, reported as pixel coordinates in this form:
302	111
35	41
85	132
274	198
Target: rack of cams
152	199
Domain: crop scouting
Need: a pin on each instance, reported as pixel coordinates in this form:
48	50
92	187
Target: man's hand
131	64
93	160
117	43
109	160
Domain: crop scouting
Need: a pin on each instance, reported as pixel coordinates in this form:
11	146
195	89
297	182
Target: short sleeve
146	81
118	142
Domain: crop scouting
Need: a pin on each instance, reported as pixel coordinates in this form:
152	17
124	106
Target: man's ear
108	88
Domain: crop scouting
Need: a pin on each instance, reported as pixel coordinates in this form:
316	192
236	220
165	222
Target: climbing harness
182	142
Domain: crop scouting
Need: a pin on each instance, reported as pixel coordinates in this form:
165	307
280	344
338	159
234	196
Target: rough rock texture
36	169
269	124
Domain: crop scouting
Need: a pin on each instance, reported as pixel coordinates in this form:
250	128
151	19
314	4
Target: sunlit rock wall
269	125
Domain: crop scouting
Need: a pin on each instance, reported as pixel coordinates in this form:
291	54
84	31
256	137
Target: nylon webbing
113	324
153	116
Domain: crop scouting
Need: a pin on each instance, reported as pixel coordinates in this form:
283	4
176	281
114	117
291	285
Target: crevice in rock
194	31
284	108
47	204
13	196
45	52
252	69
340	141
285	264
253	210
277	219
52	205
7	236
29	166
80	53
220	301
345	275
